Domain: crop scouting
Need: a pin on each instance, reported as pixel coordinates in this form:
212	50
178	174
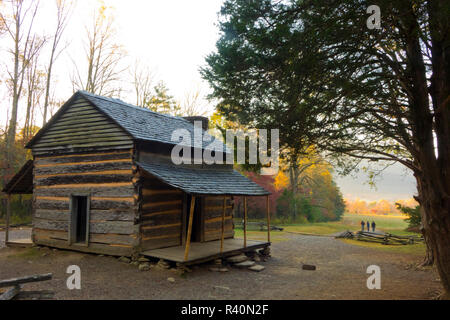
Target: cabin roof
140	123
204	181
22	181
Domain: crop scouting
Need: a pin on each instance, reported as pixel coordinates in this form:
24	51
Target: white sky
394	183
172	37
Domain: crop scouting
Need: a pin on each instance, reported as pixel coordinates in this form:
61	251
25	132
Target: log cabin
103	182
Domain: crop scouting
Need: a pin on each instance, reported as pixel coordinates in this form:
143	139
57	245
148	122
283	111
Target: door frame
73	219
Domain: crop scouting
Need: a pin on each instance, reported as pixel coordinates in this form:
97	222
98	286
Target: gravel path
340	274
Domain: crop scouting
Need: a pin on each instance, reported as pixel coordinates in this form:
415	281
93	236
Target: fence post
268	219
8	217
245	222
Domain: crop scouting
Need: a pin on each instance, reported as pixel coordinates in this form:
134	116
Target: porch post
268	219
245	222
8	217
223	223
188	238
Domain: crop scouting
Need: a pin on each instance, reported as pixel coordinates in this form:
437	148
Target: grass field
352	222
392	224
417	249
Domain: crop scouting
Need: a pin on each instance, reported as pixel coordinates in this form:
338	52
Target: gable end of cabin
84	191
80	127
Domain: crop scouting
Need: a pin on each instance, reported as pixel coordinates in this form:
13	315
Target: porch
202	182
205	251
20	183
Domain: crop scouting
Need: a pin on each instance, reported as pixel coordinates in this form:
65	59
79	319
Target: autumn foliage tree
316	198
25	45
303	188
309	191
257	205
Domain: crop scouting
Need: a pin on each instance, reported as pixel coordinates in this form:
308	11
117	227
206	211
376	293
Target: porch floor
205	251
19	243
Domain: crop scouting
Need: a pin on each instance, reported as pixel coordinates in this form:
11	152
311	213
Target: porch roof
22	181
204	181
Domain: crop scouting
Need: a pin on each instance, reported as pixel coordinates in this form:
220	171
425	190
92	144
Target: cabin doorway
79	228
196	222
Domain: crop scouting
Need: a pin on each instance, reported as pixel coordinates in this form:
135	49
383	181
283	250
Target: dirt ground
341	274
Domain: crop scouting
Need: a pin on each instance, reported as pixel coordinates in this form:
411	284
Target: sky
393	183
173	37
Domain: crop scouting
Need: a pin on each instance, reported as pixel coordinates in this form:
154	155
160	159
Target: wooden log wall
212	213
108	178
161	211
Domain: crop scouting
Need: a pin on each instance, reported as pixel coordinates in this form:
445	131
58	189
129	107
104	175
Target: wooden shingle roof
204	181
140	123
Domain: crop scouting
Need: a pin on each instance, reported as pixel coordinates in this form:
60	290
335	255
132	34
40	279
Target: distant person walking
373	226
368	226
363	224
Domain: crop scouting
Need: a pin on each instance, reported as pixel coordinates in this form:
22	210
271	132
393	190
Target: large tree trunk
433	184
428	260
431	132
429	255
437	191
437	228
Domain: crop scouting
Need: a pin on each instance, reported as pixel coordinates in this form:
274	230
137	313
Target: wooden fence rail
387	238
16	284
261	226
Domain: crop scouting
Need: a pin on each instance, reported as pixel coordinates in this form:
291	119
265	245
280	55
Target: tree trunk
47	90
433	187
434	197
431	133
428	260
293	177
429	256
11	134
437	210
437	227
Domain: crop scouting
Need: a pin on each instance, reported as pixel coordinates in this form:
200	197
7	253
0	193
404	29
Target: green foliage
284	205
414	216
161	101
301	208
20	204
18	155
20	209
339	204
315	71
